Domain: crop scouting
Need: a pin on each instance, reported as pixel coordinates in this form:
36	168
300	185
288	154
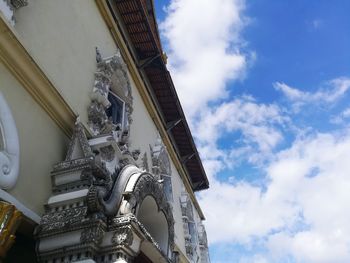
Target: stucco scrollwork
111	75
160	159
161	167
18	3
8	8
105	199
9	147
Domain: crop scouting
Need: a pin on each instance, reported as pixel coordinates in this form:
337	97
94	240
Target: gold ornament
10	219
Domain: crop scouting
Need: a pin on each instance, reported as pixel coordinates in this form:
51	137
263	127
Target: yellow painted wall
61	36
42	144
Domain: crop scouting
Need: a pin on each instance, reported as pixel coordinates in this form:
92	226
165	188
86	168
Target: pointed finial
77	120
98	55
160	181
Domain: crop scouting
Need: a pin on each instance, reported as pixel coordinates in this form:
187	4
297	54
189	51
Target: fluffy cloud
203	43
299	213
333	91
258	125
303	211
254	259
342	117
320	190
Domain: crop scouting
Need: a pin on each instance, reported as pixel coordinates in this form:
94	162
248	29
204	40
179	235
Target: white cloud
204	49
346	113
304	205
334	90
254	259
301	211
342	117
258	126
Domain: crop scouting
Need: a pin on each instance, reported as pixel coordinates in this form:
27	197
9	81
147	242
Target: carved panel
60	219
122	236
92	234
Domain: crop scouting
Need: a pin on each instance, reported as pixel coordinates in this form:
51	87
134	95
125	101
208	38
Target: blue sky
265	87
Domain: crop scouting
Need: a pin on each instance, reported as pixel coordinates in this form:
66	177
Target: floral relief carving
92	234
123	236
60	219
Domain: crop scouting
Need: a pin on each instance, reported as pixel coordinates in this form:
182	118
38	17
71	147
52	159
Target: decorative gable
79	146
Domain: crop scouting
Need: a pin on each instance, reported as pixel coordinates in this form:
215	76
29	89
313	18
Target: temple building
97	161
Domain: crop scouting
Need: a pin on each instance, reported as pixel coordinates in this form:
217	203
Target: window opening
116	112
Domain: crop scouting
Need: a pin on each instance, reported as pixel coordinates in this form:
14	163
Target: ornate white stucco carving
161	167
7	7
160	159
203	244
9	151
18	3
111	75
99	187
92	212
144	163
189	225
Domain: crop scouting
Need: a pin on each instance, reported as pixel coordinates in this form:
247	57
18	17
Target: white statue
9	147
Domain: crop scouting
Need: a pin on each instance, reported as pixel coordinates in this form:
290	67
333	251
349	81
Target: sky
265	88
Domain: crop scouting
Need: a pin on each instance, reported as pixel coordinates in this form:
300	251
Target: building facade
97	160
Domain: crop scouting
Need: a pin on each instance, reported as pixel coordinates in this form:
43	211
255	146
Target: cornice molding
23	67
141	87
